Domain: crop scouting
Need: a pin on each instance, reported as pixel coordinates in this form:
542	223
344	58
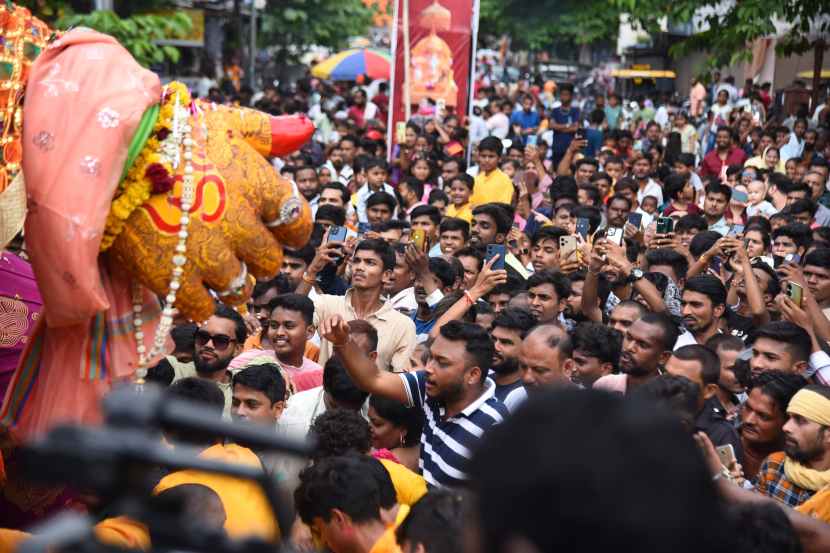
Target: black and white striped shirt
448	443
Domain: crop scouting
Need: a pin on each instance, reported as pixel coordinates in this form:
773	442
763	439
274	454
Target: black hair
338	383
502	214
334	185
773	283
820	257
686	159
561	284
526	452
626	183
590	212
360	326
386	488
391	224
726	342
265	378
762	528
240	330
717	188
709	362
491	144
294	302
340	431
703	242
801	206
519	320
442	269
376	198
592	192
598	176
426	210
765	237
800	234
373	162
669	330
674	185
470	251
795	338
563	186
548	233
436	522
691	222
205	393
437	195
780	386
477	343
341	483
333	213
668	257
415	185
306	253
455	224
184	337
600	341
672	394
162	373
468	181
617	197
409	418
708	285
381	248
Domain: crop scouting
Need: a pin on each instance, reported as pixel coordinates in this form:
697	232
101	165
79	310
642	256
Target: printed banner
432	43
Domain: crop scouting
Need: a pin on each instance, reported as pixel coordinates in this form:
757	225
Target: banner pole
390	118
473	68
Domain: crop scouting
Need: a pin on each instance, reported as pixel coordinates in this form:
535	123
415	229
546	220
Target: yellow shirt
246	508
409	486
817	506
464	212
495	187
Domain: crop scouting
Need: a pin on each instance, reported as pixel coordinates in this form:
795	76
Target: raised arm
363	370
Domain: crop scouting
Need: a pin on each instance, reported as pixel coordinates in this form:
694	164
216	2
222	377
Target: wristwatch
636	274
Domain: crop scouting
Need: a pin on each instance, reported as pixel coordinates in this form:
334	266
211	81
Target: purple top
20	306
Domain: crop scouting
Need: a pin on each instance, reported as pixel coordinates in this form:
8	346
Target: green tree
295	25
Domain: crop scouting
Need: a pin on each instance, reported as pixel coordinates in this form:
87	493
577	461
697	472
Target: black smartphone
363	228
492	251
583	227
579	134
635	219
665	225
337	234
716	264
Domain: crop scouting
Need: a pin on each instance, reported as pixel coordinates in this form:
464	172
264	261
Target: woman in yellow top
461	188
770	160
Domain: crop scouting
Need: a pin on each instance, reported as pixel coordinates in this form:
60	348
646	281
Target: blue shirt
447	443
563	116
526	120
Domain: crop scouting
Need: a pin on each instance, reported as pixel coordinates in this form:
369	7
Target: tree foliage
731	26
295	25
137	33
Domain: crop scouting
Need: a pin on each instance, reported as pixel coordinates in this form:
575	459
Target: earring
402	439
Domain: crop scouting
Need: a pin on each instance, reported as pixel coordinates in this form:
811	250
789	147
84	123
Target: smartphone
793	258
615	235
440	106
337	234
492	251
740	196
531	139
726	453
579	134
400	132
716	264
635	219
795	293
583	227
735	230
419	238
664	225
363	228
567	247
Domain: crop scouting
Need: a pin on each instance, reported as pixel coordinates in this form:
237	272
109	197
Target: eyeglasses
220	341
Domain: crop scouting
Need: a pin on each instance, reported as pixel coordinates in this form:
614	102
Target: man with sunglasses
218	341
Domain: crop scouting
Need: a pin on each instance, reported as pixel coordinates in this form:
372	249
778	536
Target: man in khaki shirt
373	259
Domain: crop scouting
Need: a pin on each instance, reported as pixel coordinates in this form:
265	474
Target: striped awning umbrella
347	65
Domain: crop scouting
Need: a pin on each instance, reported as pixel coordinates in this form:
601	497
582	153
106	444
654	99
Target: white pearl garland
180	135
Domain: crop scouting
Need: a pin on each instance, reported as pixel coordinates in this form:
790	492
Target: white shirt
404	301
363	194
651	189
499	125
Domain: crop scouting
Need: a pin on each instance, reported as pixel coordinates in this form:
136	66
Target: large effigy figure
135	192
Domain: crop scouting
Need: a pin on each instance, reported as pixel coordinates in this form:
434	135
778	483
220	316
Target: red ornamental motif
158	176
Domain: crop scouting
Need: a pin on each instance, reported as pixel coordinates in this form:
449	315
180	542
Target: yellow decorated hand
242	211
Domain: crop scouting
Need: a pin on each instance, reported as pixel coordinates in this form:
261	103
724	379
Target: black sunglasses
220	341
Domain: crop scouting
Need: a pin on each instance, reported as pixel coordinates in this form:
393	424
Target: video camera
119	460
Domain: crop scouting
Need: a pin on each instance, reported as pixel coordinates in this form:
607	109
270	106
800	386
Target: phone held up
615	235
492	251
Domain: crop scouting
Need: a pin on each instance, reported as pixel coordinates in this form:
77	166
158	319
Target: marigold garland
152	172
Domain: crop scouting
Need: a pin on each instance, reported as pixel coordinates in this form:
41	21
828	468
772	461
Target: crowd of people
602	331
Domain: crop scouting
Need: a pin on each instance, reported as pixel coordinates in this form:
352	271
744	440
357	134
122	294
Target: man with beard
714	207
456	395
618	209
545	358
309	186
509	329
491	224
647	346
722	155
218	341
703	303
792	476
596	353
763	415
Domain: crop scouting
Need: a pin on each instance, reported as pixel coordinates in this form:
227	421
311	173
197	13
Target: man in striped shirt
457	397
